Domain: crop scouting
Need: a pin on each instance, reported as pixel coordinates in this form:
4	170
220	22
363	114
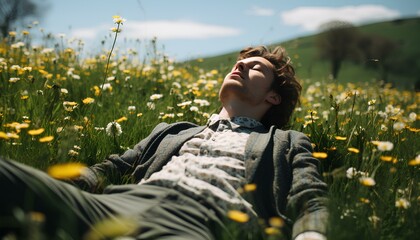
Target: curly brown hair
284	83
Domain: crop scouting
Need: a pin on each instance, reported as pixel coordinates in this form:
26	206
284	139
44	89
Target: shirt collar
235	122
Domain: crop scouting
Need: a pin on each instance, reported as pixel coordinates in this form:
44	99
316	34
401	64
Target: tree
379	52
336	43
12	11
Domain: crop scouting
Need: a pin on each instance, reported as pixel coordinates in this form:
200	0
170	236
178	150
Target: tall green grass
55	107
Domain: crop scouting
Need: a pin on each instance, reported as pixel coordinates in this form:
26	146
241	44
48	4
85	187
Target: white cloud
162	29
259	11
418	13
310	18
85	33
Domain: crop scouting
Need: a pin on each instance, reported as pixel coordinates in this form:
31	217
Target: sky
188	29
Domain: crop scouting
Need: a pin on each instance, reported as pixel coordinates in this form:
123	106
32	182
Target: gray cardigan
279	162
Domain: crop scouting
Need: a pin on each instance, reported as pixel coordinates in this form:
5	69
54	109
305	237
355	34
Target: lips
236	74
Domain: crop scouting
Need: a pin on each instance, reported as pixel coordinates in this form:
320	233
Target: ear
273	98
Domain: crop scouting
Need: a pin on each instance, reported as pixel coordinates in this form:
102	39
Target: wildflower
387	158
374	220
415	161
121	119
118	19
4	135
412	117
367	181
238	216
183	104
88	100
272	231
276	222
372	102
13	79
194	109
64	91
320	155
398	126
113	228
384	127
402	203
73	153
351	172
113	129
155	97
202	102
151	105
69	106
384	145
46	139
66	170
340	138
116	30
106	86
250	187
353	150
131	108
35	132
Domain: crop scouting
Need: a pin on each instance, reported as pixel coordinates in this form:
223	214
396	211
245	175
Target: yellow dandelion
250	187
139	114
340	138
276	222
13	135
35	132
415	130
46	139
24	97
415	161
320	155
4	135
364	200
88	100
112	228
367	181
121	119
272	231
66	170
238	216
387	158
353	150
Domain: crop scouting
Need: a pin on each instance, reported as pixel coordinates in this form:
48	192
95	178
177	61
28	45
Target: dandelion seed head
113	129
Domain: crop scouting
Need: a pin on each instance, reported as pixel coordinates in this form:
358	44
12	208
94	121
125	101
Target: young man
187	177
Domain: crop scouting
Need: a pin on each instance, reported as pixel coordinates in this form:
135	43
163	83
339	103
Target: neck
233	109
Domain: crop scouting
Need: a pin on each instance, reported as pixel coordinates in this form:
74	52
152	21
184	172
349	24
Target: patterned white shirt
211	164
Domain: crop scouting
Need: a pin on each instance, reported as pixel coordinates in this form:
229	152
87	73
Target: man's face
249	81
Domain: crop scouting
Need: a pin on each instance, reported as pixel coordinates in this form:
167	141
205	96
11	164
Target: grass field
55	108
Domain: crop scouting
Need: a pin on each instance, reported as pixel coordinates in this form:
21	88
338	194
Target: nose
240	66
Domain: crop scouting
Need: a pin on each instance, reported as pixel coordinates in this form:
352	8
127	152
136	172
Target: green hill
304	54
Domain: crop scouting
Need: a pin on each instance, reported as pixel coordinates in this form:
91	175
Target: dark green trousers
69	213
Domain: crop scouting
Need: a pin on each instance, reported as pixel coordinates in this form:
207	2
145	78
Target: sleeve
307	199
115	169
